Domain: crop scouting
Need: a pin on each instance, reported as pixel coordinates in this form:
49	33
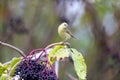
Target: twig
6	63
14	48
59	43
70	76
57	67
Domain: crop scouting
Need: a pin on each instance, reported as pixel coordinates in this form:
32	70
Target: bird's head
63	26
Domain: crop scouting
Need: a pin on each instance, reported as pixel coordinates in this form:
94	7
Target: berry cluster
32	70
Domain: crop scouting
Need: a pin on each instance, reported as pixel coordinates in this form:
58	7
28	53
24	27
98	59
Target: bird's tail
74	37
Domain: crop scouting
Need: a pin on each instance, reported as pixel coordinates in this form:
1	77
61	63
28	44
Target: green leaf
12	71
13	65
10	67
4	77
79	64
3	68
59	52
14	61
62	53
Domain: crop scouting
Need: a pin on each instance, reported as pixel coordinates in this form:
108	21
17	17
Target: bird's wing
69	32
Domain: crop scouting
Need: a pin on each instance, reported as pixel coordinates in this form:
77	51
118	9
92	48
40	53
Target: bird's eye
65	25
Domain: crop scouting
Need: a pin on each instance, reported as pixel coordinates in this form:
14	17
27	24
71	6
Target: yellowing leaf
79	64
59	52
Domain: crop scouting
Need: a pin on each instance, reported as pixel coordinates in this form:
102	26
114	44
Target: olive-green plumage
64	32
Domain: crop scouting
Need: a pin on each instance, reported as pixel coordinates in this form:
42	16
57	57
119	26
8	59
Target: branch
57	67
14	48
70	76
59	43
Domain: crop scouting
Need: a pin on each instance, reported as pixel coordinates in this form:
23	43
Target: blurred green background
31	24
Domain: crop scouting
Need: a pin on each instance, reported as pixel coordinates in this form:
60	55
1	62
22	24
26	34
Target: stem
57	68
14	48
59	43
70	76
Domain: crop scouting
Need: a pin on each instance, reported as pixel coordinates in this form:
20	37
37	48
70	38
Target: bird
64	32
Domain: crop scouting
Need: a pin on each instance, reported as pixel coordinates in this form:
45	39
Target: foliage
5	68
29	68
61	52
79	64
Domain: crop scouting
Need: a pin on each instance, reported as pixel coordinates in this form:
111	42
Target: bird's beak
69	27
